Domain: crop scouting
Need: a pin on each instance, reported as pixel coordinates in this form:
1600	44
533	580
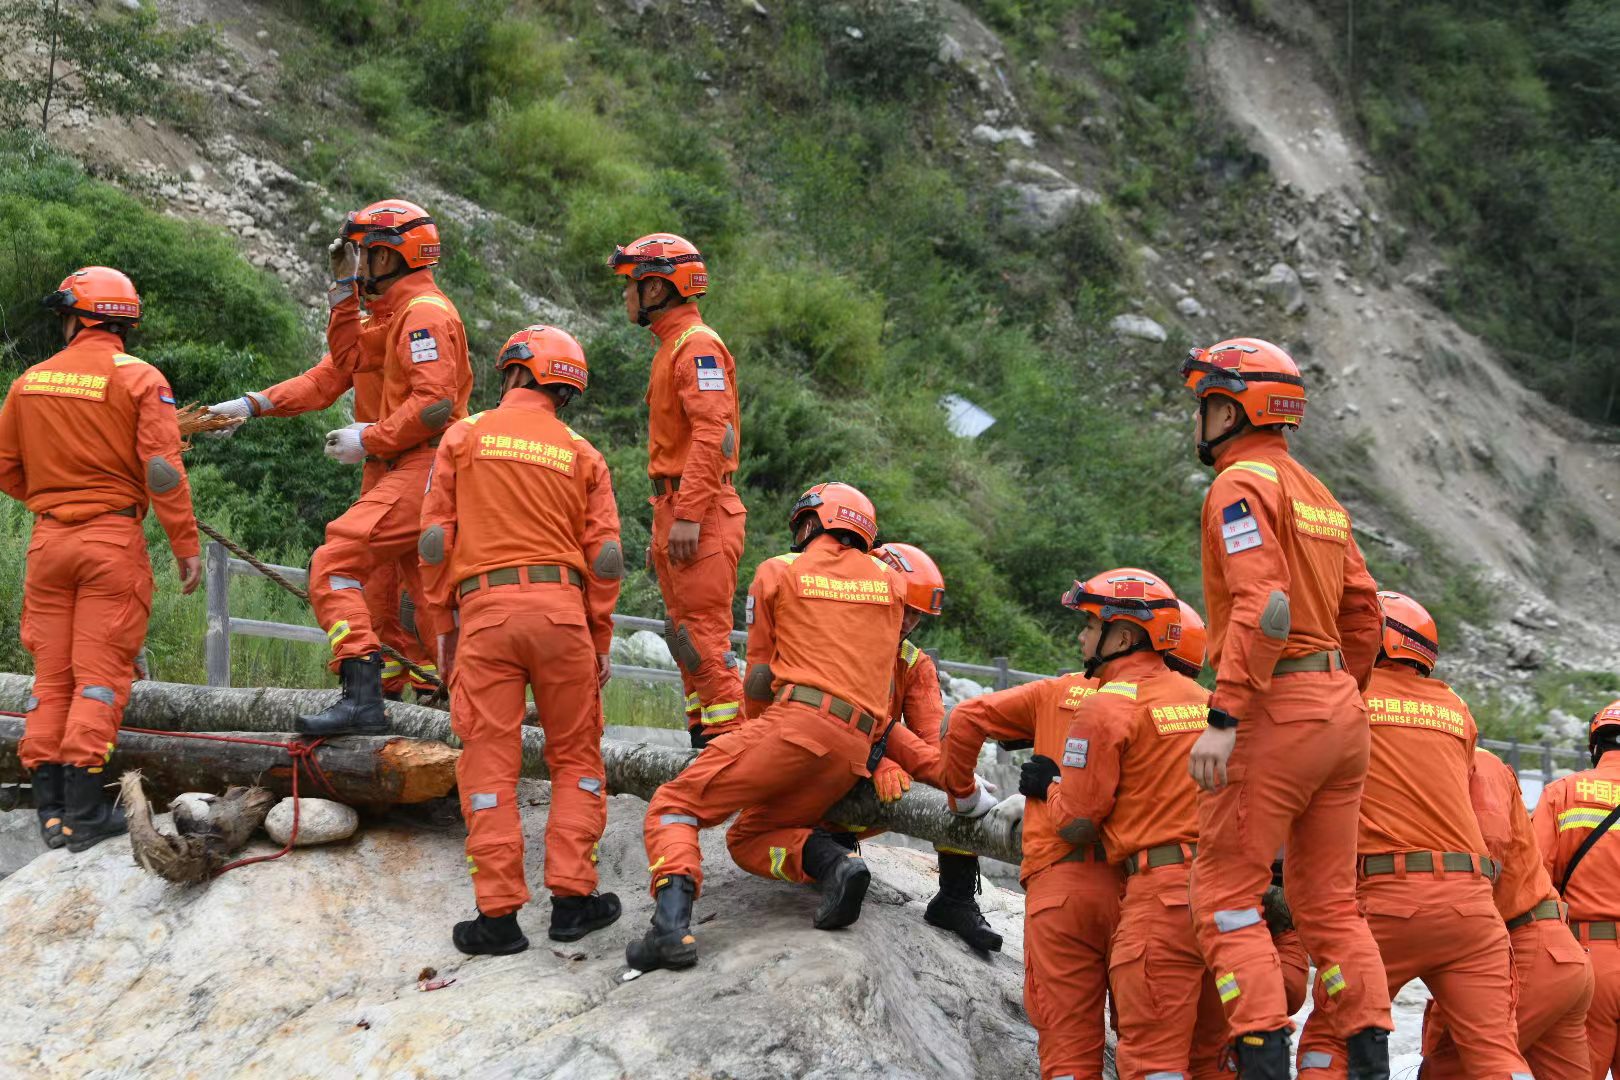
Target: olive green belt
1087	853
1322	661
1422	862
837	708
1547	909
663	485
1164	855
513	575
1595	931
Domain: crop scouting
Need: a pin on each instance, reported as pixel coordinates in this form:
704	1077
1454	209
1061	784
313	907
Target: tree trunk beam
632	768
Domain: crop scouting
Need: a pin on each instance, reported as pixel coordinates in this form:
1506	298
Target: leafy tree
113	62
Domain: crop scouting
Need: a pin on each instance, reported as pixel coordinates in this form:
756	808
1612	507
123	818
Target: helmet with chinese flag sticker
1188	656
97	295
1259	376
551	355
397	224
835	507
663	255
1605	721
1410	633
925	585
1134	596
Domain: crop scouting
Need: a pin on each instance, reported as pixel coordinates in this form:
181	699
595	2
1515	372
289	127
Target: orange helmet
925	585
663	255
836	506
1607	717
1409	630
1258	375
398	224
551	355
97	294
1188	656
1134	595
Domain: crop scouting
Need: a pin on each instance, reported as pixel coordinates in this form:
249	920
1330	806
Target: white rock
1190	307
1283	286
1138	327
309	965
320	821
996	136
20	842
642	649
854	33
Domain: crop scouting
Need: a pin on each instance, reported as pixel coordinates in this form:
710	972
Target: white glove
345	259
344	445
1009	811
980	803
235	409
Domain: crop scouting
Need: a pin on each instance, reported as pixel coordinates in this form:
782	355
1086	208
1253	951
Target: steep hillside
1035	206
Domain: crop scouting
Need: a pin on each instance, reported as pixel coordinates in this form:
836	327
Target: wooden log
365	770
632	768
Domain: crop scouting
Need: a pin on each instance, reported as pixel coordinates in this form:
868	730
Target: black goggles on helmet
1114	607
1423	643
1230	379
63	302
515	351
645	265
810	500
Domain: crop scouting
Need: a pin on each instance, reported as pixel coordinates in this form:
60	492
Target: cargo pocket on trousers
465	726
1566	952
1128	977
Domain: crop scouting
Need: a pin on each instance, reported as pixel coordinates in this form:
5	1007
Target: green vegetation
1500	122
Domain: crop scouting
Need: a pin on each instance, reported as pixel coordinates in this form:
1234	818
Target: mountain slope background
899	200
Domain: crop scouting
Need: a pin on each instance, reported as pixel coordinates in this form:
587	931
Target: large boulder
310	966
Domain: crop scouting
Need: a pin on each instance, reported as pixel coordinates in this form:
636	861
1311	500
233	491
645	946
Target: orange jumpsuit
1124	779
1284	583
1071	903
316	389
1553	975
521	536
88	440
1569	810
1433	920
825	621
693	426
416	338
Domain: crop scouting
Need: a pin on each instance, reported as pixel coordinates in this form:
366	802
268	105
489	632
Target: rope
269	572
303	758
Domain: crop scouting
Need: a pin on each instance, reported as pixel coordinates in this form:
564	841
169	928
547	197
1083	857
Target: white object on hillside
1139	327
320	821
642	649
965	419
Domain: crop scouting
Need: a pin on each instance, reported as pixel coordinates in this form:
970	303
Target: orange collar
528	399
1251	444
671	323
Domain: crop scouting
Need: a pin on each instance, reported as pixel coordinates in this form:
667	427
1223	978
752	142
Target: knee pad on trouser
575	825
92	728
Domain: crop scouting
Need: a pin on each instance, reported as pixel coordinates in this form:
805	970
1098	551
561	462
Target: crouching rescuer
89	442
520	539
824	626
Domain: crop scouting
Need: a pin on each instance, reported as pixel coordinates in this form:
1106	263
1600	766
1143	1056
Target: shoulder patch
710	375
166	395
1123	689
1239	529
909	653
1075	753
123	359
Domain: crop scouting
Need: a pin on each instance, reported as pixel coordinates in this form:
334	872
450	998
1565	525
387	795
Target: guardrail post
1546	763
217	639
1003	667
1513	756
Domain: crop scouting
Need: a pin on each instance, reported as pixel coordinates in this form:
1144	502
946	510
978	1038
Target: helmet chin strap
810	534
1099	660
1207	447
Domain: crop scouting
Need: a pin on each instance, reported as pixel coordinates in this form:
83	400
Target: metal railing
221	625
1548	759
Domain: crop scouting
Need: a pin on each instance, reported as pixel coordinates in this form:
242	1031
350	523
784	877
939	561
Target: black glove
1036	775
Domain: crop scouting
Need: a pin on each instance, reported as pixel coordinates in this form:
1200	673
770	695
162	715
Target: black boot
92	815
50	802
1368	1054
842	877
490	936
955	909
572	917
669	944
1264	1055
360	710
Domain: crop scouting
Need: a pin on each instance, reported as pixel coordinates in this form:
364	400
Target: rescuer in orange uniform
88	441
340	369
918	710
1294	628
1071	903
1569	814
520	534
1552	972
1119	780
1425	880
416	338
693	426
823	623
